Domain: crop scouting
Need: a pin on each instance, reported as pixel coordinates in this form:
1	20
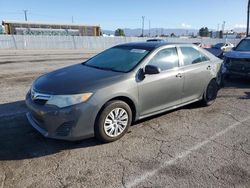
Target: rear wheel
113	121
210	94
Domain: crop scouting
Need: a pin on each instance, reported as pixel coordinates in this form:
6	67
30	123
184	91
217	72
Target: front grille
40	101
240	65
65	128
39	98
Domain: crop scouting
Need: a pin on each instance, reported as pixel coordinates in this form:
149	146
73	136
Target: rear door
163	90
196	68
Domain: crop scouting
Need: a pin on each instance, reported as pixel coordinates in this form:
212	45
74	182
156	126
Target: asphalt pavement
192	146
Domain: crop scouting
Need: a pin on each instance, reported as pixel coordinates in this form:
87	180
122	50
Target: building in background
34	28
241	35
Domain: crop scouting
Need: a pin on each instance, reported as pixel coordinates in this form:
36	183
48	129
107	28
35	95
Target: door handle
209	67
179	75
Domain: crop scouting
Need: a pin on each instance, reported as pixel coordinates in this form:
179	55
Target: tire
109	126
210	94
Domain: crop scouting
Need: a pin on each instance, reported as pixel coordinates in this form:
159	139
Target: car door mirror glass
151	69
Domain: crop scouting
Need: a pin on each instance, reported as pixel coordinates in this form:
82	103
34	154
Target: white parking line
182	155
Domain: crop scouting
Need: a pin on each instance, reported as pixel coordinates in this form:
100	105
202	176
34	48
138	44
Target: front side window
244	45
192	56
121	59
165	59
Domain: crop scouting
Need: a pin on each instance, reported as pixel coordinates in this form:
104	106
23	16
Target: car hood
238	54
215	51
74	79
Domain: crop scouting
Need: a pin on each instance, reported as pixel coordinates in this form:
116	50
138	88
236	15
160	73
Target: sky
113	14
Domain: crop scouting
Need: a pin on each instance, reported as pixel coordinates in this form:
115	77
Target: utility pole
248	10
25	15
223	26
72	19
149	28
218	27
142	32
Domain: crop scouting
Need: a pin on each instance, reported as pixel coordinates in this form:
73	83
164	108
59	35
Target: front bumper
237	67
70	123
236	73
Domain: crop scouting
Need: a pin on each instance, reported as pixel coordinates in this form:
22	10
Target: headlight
67	100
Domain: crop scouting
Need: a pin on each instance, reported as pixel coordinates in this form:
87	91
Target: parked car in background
104	95
225	47
237	61
219	49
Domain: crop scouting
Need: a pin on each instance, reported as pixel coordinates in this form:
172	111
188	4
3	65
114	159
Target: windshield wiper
111	69
103	68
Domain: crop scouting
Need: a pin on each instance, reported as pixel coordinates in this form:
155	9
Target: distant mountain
155	31
160	31
108	32
239	30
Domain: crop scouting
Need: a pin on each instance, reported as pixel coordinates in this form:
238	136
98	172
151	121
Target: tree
220	34
172	35
204	32
119	32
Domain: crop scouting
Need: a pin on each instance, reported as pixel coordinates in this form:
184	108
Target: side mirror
150	69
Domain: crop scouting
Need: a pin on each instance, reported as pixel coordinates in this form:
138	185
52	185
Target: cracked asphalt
189	147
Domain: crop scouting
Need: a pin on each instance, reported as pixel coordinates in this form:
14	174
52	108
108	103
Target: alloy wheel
116	122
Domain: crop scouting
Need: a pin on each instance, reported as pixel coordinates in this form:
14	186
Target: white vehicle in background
220	48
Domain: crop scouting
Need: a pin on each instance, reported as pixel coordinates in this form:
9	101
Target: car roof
148	45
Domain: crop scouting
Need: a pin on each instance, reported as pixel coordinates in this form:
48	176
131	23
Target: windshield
244	45
120	59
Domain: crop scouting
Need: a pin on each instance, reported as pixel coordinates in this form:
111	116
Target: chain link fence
83	42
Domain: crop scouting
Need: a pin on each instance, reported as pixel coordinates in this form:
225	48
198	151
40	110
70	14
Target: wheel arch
125	99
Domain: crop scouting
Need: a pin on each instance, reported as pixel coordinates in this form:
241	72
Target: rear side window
165	59
192	56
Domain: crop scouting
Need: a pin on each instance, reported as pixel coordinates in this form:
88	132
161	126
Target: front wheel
113	121
210	94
